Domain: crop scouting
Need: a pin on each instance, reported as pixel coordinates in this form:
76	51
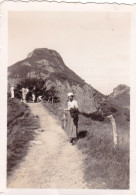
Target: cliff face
48	65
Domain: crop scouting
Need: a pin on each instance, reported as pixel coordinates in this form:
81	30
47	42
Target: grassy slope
105	167
21	126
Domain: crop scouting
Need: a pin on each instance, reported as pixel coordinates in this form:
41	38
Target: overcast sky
94	45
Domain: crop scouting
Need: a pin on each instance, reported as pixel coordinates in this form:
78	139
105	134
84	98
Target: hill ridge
49	65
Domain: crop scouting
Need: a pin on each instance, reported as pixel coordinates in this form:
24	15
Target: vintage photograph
68	99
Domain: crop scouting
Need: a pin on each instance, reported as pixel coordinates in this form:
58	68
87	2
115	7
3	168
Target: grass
105	167
21	126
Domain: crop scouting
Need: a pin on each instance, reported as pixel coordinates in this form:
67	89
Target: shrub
113	110
51	95
94	116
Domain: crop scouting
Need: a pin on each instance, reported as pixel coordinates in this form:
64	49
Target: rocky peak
47	64
121	96
42	53
120	89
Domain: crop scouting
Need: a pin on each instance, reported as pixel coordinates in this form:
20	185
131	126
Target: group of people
25	93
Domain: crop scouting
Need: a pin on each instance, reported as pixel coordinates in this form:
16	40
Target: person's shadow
82	134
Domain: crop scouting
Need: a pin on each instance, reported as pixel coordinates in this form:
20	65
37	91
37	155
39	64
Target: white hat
70	94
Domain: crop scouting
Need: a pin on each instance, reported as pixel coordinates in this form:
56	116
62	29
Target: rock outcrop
121	96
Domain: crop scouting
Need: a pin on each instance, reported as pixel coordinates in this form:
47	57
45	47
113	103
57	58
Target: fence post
114	130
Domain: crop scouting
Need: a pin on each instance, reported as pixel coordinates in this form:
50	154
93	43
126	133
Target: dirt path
51	161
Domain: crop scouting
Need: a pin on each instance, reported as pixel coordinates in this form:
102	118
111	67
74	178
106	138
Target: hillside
48	65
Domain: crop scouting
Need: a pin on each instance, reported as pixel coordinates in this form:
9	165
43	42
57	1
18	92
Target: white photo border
53	6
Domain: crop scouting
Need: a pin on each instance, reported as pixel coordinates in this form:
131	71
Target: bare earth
51	161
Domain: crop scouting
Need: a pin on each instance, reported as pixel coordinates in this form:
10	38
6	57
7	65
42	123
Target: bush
97	116
51	95
113	110
94	116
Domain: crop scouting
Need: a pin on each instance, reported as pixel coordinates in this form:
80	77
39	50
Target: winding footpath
51	162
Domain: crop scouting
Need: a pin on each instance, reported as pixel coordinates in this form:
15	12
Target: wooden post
114	129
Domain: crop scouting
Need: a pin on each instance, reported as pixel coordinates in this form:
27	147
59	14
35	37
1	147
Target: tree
51	95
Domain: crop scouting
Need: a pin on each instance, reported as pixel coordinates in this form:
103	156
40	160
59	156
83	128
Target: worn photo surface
68	99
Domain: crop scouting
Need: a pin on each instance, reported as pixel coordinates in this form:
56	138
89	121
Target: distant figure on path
12	91
33	94
26	92
39	98
23	99
72	118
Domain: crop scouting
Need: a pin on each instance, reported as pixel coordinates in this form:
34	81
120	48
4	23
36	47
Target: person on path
72	118
39	99
23	99
34	94
27	93
12	91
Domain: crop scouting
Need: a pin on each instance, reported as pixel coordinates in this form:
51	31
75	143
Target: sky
95	45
